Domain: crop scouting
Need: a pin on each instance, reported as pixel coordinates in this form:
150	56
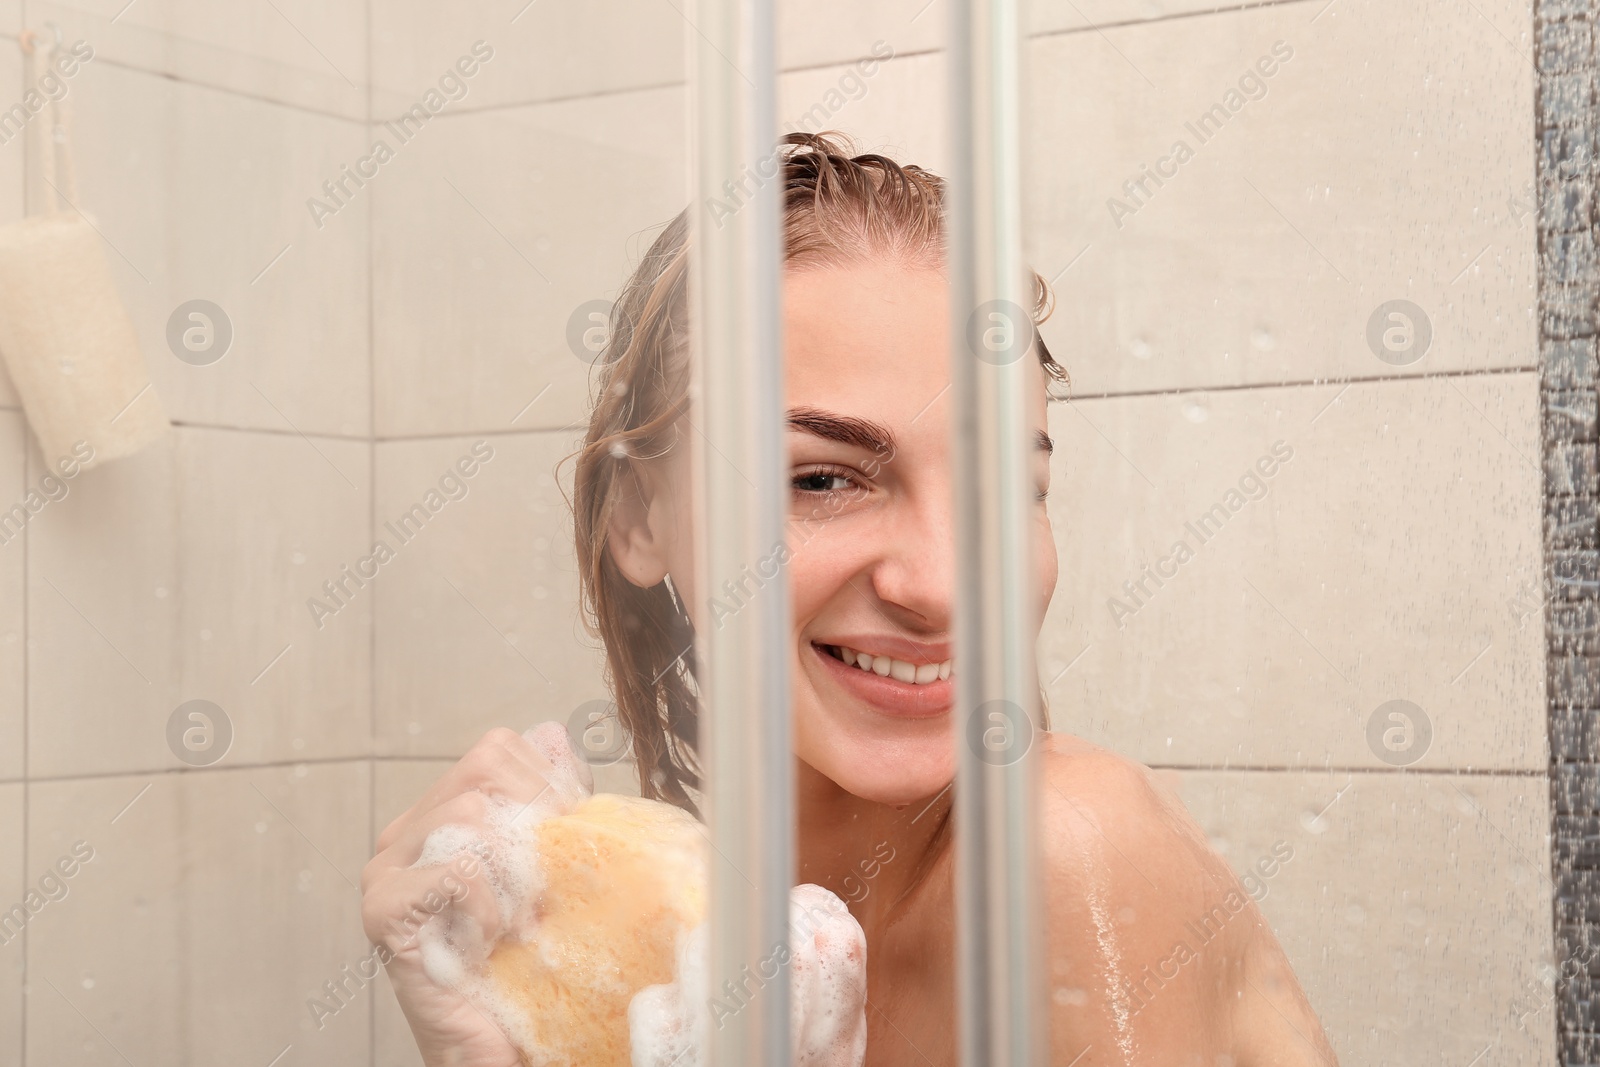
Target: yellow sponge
622	879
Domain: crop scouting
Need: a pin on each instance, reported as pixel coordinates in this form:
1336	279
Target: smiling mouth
887	667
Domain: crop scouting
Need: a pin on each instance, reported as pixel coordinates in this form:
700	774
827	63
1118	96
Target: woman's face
872	544
871	541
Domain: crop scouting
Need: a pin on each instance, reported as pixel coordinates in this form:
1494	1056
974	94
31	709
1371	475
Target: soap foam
670	1025
828	980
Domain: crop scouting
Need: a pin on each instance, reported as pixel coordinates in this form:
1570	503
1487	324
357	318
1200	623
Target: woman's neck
871	855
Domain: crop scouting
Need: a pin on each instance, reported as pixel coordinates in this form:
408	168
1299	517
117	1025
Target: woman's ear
636	543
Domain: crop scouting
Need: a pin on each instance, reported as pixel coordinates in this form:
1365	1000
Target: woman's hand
401	900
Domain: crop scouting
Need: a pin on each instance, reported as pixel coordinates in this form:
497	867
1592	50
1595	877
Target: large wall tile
1415	908
1396	555
183	573
814	33
12	891
541	51
264	521
198	192
214	908
1377	166
103	599
13	576
309	53
895	106
493	230
477	620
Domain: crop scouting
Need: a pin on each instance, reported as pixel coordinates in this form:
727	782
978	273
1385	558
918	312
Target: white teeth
900	670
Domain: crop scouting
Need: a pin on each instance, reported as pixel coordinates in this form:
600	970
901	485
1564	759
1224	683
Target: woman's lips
889	696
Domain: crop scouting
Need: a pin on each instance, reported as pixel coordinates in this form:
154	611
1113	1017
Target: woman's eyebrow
1042	441
846	429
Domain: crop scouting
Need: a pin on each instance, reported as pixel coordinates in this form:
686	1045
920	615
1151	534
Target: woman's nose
915	575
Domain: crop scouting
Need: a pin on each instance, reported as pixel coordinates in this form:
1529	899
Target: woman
1130	879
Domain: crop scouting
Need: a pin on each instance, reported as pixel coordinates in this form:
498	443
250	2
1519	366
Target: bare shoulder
1107	816
1157	951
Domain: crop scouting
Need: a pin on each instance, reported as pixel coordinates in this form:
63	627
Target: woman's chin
893	775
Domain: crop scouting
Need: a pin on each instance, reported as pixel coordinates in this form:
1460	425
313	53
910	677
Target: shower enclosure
1324	493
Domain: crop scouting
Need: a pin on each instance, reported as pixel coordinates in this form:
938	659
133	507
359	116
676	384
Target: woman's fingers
457	898
472	811
503	763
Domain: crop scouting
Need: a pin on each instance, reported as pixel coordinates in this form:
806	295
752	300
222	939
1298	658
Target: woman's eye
821	482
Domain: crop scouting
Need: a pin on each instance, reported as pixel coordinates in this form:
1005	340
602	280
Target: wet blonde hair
838	208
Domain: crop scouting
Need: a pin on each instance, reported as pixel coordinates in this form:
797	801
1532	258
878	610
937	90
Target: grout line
1386	379
1471	772
359	439
196	772
447	435
335	761
238	94
366	439
850	60
573	427
565	98
1218	9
